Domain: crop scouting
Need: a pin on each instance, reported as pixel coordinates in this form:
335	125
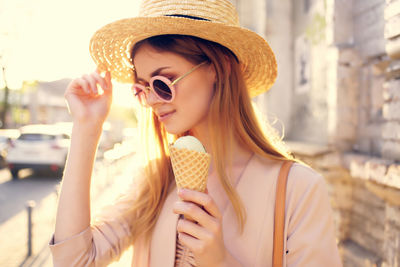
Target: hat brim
110	46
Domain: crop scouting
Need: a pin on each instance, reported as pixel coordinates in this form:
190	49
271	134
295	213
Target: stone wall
361	164
365	196
341	111
370	43
360	154
309	115
391	87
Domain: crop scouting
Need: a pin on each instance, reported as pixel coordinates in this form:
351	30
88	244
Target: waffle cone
190	168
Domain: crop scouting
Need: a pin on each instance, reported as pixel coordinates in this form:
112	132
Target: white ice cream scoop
189	142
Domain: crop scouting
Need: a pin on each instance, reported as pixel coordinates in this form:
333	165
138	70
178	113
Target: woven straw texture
190	168
110	46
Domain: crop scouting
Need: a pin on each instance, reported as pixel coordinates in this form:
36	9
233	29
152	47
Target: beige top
309	228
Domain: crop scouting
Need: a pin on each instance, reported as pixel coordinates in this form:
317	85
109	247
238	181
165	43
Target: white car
39	147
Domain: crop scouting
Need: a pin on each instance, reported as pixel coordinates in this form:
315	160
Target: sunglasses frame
171	84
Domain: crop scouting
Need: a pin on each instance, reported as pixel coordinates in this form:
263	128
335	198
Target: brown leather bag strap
279	224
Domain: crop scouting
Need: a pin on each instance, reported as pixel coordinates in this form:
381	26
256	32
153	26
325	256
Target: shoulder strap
279	224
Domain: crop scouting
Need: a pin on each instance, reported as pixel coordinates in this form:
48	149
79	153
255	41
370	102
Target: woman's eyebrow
154	73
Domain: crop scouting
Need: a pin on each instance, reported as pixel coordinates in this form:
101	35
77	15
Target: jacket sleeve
102	242
310	227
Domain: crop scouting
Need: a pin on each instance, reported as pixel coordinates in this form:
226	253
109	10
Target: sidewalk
107	182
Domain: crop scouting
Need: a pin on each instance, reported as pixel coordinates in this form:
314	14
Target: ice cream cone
190	168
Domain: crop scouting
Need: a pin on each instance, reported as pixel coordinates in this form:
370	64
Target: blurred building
38	102
338	97
46	103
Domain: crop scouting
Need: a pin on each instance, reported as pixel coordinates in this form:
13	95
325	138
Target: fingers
105	82
82	84
194	212
92	82
194	236
195	245
204	236
209	217
198	239
201	199
100	80
193	229
192	243
88	83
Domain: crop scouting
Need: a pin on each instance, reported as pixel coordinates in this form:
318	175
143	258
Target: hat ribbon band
186	16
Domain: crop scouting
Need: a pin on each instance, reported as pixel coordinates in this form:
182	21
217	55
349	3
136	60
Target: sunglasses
162	87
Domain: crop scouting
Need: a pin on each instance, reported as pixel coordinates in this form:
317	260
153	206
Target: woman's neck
239	153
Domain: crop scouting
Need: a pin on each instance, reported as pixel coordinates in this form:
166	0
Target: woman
194	70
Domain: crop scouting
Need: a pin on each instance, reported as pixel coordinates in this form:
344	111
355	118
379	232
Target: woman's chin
176	130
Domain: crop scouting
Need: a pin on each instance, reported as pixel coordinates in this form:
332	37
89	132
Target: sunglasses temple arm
186	74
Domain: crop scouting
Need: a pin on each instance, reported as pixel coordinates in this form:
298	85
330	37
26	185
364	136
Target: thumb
107	79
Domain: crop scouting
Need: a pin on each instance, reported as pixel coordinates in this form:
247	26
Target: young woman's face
193	94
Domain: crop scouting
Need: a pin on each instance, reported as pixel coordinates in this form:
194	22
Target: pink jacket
309	227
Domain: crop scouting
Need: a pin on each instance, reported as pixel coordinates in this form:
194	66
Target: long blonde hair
232	116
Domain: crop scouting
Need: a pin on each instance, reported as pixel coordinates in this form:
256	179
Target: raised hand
89	103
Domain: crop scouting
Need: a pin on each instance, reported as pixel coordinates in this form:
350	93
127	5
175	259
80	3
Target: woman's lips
165	116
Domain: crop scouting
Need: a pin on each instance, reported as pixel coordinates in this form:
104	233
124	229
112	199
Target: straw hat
214	20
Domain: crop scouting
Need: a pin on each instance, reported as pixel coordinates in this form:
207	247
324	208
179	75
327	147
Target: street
15	193
109	179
